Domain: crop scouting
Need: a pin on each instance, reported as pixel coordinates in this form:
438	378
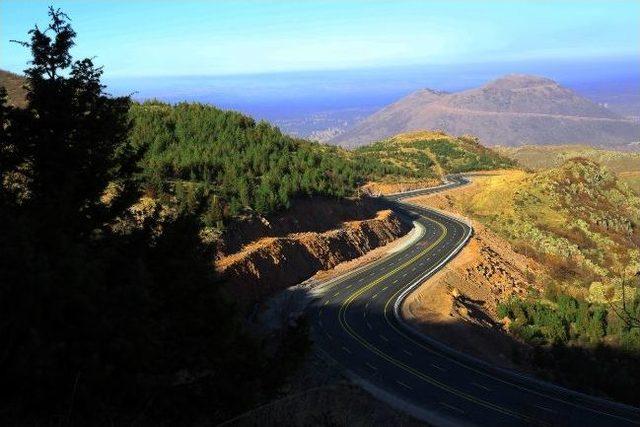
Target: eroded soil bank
260	257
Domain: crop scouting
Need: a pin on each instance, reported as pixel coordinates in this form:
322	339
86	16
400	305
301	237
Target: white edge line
432	416
447	349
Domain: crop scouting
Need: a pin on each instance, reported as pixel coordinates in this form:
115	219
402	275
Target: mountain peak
520	81
515	109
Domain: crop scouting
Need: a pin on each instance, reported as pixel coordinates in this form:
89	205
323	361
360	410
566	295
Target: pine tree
72	136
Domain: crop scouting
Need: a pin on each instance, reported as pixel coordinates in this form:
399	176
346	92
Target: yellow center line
478	371
413	371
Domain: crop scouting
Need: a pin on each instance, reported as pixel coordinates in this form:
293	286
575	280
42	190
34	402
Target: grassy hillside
582	225
13	84
626	164
579	219
433	154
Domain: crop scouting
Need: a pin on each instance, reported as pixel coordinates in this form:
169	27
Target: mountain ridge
515	109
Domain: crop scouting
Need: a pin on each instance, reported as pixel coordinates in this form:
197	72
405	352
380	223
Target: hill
224	164
13	83
624	163
424	155
551	253
513	110
578	219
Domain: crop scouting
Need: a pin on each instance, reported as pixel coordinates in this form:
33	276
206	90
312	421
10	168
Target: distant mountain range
513	110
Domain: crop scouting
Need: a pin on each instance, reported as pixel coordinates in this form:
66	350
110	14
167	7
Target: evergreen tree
71	136
104	320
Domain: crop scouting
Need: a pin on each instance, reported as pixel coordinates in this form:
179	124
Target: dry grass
626	164
632	179
15	92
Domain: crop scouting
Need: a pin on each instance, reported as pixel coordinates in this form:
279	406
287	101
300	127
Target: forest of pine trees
220	162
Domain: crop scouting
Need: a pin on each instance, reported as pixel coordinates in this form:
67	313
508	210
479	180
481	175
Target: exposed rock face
308	214
274	263
513	110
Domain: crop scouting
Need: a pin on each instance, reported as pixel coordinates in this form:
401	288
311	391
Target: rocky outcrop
275	263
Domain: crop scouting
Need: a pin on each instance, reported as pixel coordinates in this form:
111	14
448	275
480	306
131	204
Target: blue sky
171	38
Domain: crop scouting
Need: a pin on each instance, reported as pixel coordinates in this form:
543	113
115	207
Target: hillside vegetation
13	83
426	154
626	164
222	162
582	224
579	219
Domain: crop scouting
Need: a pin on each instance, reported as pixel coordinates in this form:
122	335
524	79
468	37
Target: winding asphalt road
356	323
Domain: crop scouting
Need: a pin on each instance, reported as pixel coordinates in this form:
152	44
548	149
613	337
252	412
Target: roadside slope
551	248
271	264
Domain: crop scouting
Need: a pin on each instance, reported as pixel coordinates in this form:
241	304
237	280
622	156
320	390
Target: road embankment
270	264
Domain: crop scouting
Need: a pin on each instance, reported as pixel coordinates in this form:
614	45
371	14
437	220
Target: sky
137	38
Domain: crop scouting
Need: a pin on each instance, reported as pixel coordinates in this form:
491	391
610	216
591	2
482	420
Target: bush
584	358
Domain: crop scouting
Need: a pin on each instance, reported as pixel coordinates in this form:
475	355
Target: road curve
356	322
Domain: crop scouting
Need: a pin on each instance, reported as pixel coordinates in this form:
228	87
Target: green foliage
200	153
428	154
405	163
561	322
585	344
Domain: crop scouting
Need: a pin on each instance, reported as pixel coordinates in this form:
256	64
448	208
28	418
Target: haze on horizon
275	59
147	38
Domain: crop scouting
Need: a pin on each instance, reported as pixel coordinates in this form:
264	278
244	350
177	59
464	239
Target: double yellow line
343	322
342	318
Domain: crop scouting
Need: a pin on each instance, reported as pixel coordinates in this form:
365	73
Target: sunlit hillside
13	84
427	154
577	225
626	164
579	219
